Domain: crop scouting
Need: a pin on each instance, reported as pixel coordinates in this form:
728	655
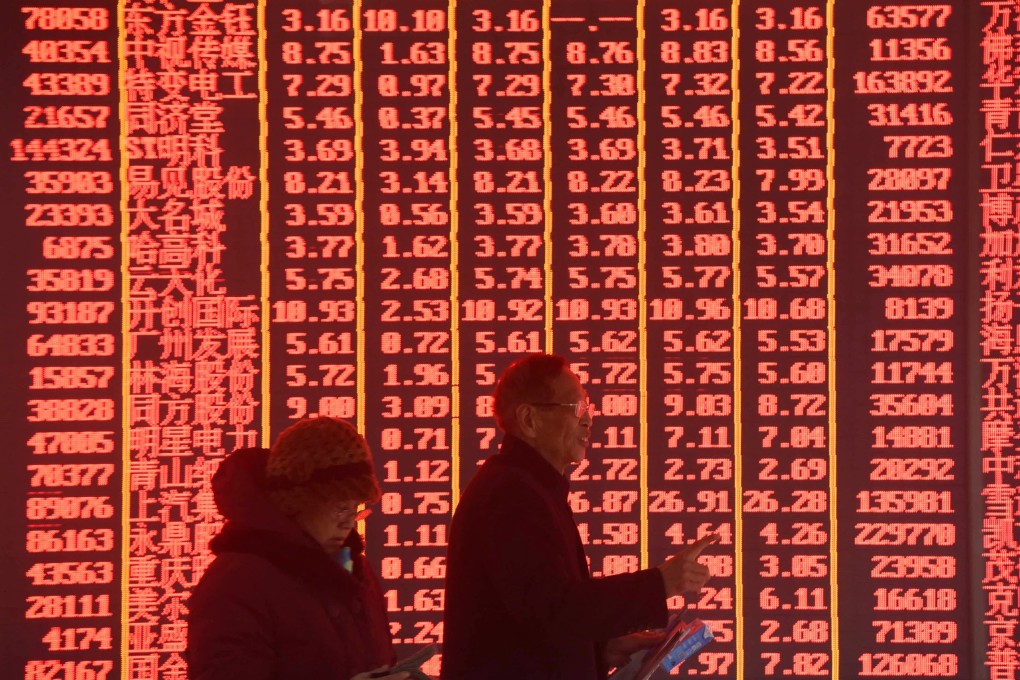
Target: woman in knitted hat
290	595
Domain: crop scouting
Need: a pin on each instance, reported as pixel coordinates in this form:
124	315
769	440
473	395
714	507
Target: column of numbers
407	211
906	509
65	151
690	310
785	336
502	161
312	212
594	123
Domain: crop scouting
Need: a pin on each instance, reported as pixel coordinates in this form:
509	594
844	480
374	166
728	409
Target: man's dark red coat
520	600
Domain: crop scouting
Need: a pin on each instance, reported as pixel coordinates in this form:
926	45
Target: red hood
239	491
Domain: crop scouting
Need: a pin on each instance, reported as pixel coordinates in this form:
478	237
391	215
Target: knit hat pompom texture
318	461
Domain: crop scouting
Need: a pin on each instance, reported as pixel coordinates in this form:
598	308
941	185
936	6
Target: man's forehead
567	385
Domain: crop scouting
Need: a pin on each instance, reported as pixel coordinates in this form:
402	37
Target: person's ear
527	421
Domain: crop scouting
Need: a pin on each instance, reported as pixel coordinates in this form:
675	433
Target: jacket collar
522	455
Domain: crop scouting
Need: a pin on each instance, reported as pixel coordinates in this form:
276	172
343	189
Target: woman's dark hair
527	380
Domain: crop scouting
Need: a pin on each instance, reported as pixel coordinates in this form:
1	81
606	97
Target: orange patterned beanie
317	461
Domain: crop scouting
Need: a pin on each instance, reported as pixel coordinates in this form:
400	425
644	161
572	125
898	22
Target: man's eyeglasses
349	514
580	407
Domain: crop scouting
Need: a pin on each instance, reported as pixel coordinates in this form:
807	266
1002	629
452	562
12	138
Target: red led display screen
777	241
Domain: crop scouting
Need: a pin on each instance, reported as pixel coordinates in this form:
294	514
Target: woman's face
329	524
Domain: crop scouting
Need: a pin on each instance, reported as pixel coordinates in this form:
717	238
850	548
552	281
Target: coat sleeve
229	632
532	573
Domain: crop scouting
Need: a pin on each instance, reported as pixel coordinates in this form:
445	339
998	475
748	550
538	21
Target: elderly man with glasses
520	601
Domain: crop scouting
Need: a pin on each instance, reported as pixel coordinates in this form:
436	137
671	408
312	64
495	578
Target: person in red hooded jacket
290	595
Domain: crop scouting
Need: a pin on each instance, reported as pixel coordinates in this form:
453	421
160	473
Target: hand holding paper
375	675
618	651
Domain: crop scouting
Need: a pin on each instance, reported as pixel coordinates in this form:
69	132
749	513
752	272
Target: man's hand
618	651
374	675
682	573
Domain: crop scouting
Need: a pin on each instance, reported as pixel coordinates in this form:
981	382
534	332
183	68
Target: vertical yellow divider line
451	51
361	377
264	215
359	221
642	132
125	338
738	369
830	271
547	168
